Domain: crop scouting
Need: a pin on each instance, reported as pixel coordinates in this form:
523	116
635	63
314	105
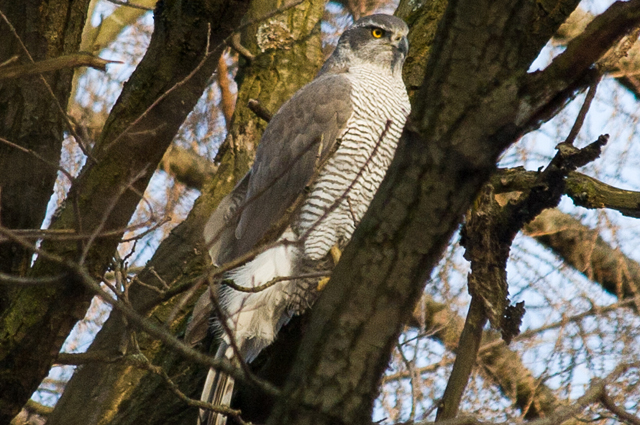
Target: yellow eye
377	33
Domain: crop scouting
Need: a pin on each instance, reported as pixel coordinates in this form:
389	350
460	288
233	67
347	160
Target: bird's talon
335	254
322	283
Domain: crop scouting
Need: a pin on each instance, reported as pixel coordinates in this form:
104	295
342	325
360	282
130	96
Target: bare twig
139	360
143	323
38	156
259	110
11	60
88	357
404	374
622	414
129	4
577	125
70	125
70	234
74	60
207	54
259	288
158	224
191	291
7	279
414	381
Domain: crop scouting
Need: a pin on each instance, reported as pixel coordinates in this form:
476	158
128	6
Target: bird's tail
218	389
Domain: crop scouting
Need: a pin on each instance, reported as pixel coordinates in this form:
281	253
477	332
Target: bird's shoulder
322	102
299	137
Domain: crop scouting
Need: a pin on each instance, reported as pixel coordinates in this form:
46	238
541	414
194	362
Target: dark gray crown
357	45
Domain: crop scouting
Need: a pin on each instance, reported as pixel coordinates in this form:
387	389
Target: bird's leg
336	253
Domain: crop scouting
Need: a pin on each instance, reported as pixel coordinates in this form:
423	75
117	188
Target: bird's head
380	40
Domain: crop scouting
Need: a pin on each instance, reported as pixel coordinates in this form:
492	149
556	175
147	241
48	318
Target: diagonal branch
46	323
585	191
180	259
55	64
461	123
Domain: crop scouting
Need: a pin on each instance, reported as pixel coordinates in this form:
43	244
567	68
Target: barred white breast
346	185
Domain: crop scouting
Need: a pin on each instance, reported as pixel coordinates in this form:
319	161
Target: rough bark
231	149
606	266
625	71
464	120
30	115
126	395
108	189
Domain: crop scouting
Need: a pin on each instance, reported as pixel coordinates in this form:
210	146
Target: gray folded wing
298	139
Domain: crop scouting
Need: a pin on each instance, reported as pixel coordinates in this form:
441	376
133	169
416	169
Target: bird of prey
319	163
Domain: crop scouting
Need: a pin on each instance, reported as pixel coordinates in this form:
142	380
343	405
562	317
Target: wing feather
301	135
219	232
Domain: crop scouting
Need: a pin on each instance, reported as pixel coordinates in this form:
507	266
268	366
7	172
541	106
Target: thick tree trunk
375	314
124	394
31	116
105	195
476	100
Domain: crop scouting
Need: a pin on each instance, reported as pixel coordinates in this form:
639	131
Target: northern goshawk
318	165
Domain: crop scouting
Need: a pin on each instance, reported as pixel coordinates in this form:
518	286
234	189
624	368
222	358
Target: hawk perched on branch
320	161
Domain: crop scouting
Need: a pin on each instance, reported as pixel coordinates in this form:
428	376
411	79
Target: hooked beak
402	44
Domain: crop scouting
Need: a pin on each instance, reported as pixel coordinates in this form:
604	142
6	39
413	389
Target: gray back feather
299	137
219	232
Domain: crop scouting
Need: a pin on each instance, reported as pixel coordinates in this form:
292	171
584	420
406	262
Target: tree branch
114	183
180	259
610	405
597	260
84	358
625	71
449	151
466	354
132	5
54	64
585	191
571	69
